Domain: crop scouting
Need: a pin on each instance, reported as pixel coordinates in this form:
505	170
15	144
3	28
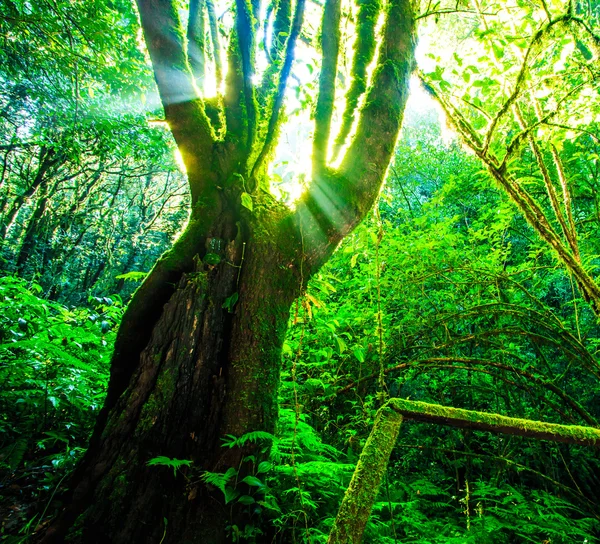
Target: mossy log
360	496
470	419
358	500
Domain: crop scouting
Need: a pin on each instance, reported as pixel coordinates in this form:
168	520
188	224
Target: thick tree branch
330	46
184	109
358	500
245	35
271	136
364	50
482	421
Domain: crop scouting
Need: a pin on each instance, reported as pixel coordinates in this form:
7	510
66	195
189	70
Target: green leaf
359	353
230	494
587	54
253	481
247	201
263	467
132	276
212	259
246	499
498	50
161	460
230	302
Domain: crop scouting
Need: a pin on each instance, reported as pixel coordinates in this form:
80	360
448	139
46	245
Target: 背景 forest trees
198	353
79	158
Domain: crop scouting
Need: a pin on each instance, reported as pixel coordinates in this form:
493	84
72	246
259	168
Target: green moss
364	51
157	401
495	422
358	500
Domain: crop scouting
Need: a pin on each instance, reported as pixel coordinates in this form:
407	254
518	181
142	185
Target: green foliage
53	375
163	461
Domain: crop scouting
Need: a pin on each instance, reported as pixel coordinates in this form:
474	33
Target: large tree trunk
205	372
186	370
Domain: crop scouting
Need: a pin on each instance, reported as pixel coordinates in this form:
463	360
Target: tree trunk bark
206	372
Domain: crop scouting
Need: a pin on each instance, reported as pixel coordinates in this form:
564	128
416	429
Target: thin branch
446	11
270	138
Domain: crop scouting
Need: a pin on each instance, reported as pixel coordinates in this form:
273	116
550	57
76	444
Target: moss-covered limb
364	50
367	158
195	38
470	419
184	109
330	46
358	500
281	27
336	201
214	38
271	136
567	399
245	28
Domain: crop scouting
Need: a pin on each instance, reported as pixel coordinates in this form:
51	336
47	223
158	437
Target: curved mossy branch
358	500
330	47
271	136
244	23
195	39
184	109
482	421
364	50
213	25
